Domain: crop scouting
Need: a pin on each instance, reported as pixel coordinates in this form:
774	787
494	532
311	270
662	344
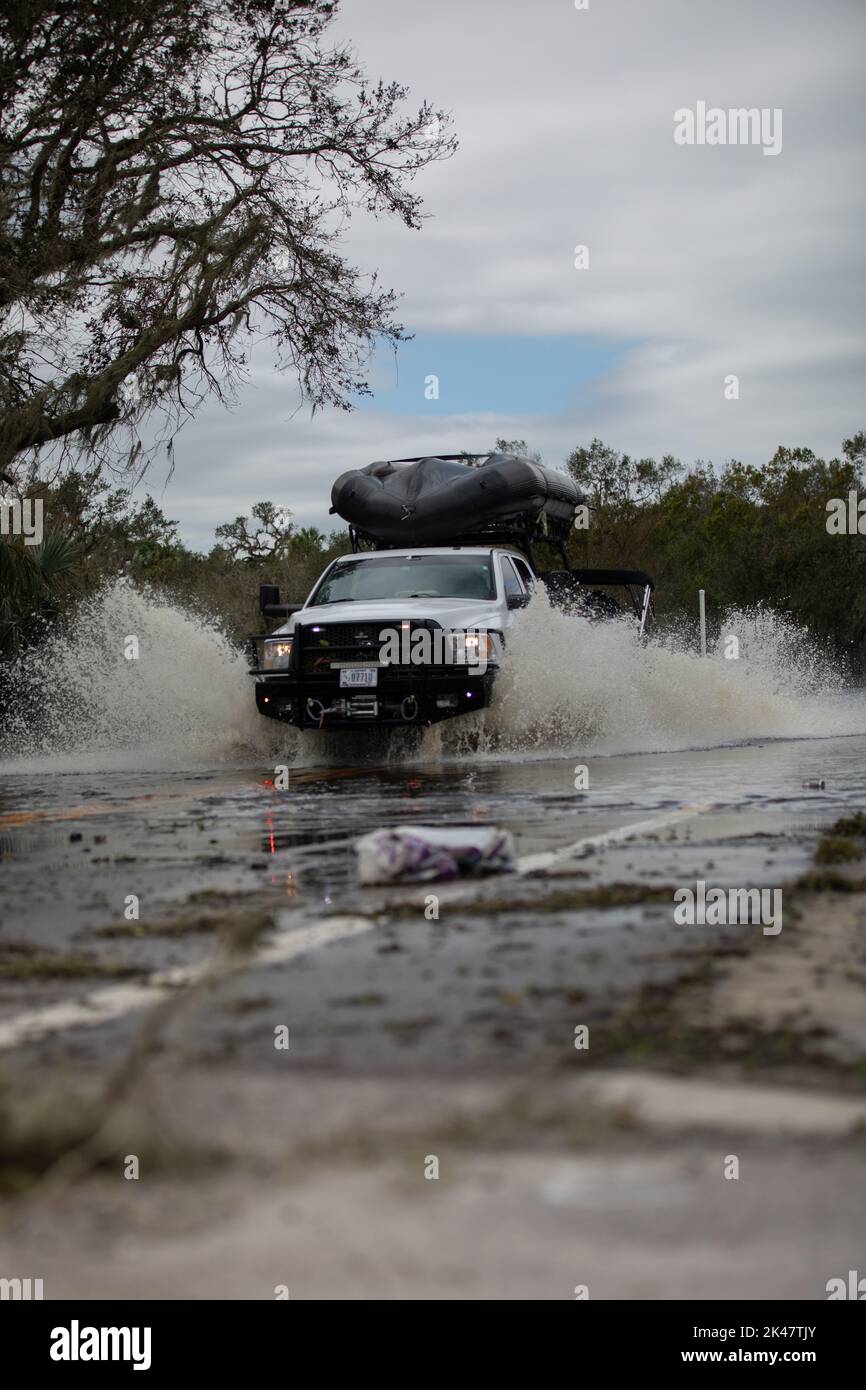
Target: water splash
569	684
79	701
187	700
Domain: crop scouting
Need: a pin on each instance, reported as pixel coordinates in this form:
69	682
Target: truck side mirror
269	596
516	600
270	606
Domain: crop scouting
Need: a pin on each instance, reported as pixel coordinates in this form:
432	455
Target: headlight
275	653
473	648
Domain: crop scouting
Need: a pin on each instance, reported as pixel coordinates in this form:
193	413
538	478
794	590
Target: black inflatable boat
429	501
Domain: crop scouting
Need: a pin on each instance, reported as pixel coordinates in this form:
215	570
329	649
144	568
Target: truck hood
449	613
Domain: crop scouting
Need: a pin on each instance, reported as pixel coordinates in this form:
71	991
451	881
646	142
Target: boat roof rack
449	458
501	533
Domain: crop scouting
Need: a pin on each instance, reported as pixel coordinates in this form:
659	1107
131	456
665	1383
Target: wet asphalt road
504	983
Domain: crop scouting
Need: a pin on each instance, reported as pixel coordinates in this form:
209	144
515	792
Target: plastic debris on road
420	853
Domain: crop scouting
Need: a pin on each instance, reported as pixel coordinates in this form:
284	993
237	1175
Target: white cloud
708	260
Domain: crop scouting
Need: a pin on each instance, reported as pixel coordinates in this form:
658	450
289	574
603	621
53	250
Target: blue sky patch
505	374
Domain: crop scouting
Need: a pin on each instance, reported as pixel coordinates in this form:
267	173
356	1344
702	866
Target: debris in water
422	852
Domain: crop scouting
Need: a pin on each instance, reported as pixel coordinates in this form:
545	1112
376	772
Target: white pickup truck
414	636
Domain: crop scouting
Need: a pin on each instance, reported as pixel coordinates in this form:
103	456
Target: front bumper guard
320	703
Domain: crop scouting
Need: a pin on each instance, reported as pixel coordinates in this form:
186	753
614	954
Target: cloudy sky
704	261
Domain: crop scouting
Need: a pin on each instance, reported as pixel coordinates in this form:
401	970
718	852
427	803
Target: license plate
353	676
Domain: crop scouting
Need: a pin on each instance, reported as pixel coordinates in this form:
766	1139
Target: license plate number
353	676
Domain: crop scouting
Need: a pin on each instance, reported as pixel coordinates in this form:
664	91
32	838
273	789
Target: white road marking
465	891
547	859
103	1005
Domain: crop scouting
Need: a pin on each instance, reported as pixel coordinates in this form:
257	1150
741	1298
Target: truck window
525	573
510	580
407	576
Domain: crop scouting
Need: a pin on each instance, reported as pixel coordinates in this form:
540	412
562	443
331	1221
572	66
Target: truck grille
323	644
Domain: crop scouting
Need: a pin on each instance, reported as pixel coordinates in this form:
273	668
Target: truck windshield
408	576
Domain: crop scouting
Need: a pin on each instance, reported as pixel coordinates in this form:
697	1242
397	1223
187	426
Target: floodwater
143	839
153	780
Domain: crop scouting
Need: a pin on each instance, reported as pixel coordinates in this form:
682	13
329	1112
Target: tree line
750	536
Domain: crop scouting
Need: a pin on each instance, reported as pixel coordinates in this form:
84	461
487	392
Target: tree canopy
176	177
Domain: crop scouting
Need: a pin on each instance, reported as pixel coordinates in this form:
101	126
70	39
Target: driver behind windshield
464	576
